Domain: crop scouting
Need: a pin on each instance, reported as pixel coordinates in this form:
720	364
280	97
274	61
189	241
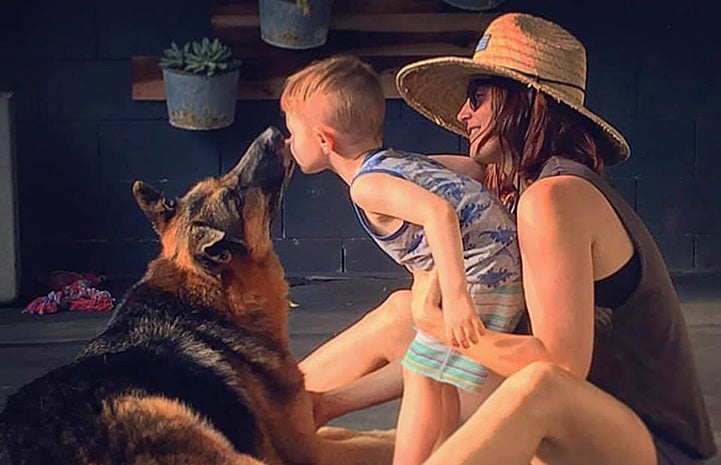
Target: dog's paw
388	434
336	433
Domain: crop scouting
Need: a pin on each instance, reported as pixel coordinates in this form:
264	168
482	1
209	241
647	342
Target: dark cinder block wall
654	72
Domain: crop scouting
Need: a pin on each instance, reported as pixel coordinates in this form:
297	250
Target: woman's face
476	114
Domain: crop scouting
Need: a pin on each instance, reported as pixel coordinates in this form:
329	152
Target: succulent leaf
203	57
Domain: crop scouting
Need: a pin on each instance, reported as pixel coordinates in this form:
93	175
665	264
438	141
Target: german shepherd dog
194	367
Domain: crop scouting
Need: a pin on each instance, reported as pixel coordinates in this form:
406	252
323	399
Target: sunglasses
475	98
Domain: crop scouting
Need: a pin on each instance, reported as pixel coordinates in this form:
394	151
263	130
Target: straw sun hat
521	47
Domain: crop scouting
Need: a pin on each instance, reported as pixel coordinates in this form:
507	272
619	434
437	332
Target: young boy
425	217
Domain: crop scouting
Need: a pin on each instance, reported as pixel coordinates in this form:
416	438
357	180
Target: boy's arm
388	195
501	353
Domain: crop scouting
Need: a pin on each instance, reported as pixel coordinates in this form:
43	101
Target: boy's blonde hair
355	104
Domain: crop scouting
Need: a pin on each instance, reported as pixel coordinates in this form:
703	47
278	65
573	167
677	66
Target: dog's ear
211	246
154	205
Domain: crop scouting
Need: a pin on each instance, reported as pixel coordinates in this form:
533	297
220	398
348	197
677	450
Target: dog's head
222	219
216	245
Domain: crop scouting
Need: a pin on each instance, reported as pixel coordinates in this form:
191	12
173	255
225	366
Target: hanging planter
474	5
295	24
201	85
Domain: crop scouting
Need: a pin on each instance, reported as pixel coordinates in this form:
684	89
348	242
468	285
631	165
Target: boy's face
304	144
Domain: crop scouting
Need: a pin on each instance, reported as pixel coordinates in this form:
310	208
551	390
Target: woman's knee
538	377
539	387
392	322
392	312
399	302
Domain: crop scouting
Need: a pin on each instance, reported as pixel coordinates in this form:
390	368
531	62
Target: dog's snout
285	151
273	136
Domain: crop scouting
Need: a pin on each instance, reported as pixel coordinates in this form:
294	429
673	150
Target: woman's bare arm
462	164
558	284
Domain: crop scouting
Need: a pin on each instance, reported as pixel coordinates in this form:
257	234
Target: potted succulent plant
201	82
295	24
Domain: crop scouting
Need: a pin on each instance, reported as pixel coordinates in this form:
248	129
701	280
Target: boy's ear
326	138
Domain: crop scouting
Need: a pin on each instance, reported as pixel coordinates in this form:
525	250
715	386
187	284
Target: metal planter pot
199	102
284	25
474	5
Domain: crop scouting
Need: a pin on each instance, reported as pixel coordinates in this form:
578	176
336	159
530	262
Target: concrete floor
31	345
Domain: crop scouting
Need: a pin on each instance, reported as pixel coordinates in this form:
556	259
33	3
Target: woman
606	374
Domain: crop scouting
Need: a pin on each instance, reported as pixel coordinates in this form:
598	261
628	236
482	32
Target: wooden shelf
348	6
224	22
387	37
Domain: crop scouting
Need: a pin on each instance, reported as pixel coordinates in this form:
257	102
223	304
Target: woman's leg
419	420
346	368
544	412
381	336
386	384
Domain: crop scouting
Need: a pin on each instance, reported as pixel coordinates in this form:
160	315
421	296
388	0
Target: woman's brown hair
531	128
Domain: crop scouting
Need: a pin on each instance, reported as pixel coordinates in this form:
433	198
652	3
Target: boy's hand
463	326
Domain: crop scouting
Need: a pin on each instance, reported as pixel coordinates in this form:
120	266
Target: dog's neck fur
252	294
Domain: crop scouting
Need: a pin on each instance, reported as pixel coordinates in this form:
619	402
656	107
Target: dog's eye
169	204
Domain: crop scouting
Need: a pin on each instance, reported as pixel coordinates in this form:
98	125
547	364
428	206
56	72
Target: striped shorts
499	308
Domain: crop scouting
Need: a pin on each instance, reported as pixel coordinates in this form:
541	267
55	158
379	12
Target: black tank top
655	375
615	289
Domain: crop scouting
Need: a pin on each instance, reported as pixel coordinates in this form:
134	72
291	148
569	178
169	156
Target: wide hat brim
436	88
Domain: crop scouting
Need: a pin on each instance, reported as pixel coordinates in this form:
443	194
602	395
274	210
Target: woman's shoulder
560	195
561	186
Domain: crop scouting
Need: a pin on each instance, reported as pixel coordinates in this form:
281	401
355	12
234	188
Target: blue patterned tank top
488	230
